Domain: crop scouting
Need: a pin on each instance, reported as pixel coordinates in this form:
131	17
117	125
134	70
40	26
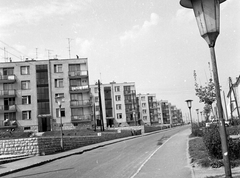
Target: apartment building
148	110
119	107
28	90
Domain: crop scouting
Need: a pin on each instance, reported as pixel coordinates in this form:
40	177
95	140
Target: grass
198	152
199	155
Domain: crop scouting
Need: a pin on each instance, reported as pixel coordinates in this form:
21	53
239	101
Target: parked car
216	122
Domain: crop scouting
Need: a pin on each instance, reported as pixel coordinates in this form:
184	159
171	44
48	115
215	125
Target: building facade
119	106
28	90
148	109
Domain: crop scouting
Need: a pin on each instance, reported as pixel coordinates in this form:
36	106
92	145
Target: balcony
129	110
81	118
7	108
78	74
7	93
129	92
8	124
82	103
79	89
7	78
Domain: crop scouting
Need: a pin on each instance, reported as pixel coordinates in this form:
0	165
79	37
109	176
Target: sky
155	44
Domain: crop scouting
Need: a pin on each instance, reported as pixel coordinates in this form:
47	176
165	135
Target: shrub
212	142
234	147
197	132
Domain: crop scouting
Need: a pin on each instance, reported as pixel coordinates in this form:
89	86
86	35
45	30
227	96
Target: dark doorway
44	124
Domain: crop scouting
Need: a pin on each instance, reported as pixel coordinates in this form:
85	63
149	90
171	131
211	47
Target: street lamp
189	104
207	13
201	116
197	116
59	100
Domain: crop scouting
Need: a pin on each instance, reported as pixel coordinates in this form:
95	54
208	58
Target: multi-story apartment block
164	105
28	90
148	110
119	106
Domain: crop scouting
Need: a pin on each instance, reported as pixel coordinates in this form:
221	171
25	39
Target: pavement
14	163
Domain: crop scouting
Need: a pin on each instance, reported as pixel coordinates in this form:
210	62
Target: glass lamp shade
189	103
207	13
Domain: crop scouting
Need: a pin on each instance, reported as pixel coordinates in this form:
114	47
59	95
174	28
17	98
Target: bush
212	142
234	147
197	132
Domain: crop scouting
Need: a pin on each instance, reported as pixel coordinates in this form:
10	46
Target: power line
13	48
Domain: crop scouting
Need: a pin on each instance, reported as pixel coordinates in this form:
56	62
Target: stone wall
50	145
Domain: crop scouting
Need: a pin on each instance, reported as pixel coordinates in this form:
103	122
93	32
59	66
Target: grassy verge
199	155
198	152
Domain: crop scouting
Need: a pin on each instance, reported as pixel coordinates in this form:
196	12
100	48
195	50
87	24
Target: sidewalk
170	160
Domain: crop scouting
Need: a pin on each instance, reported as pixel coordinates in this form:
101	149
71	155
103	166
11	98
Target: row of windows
58	68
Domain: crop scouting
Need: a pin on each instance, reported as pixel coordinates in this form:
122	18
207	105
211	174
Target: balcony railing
7	93
80	73
7	78
81	103
7	108
81	118
8	123
79	88
127	92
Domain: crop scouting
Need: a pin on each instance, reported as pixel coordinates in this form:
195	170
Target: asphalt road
119	160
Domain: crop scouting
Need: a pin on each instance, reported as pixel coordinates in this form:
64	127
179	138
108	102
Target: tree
206	95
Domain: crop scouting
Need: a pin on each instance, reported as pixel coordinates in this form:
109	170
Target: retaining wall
50	145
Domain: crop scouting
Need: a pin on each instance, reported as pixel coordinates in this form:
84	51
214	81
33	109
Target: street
132	158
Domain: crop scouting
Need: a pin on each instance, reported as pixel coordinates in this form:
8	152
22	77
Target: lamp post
189	104
59	100
207	13
197	110
201	116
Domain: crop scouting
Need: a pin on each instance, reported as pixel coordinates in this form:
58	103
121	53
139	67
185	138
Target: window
118	106
25	70
95	90
26	115
144	118
118	98
25	85
97	108
8	71
144	105
62	112
96	99
59	95
144	111
26	99
59	83
143	98
119	116
58	68
117	88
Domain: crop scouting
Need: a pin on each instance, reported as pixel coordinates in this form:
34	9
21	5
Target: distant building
148	109
119	106
28	90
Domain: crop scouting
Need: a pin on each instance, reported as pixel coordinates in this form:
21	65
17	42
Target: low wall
50	145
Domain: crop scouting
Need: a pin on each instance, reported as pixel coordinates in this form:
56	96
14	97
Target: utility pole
225	105
234	94
100	105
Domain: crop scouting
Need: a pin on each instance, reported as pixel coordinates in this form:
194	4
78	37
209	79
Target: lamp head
189	103
207	13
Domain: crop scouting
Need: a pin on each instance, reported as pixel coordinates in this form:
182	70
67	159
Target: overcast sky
154	43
